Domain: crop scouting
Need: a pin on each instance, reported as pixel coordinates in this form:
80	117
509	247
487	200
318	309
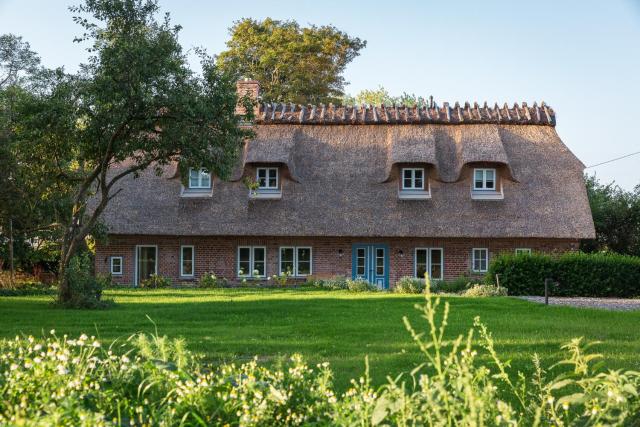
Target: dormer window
485	185
268	180
199	179
484	180
413	179
413	184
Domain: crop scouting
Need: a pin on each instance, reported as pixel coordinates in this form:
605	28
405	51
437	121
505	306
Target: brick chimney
247	87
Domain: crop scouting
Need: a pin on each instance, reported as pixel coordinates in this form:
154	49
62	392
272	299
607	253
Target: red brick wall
218	254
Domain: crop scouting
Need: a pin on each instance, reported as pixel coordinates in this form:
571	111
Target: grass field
338	327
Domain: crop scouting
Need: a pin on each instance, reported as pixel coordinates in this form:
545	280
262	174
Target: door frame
135	257
372	255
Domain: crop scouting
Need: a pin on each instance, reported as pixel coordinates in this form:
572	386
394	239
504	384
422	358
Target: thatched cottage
372	192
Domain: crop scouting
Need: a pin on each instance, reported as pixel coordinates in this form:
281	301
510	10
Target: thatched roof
344	183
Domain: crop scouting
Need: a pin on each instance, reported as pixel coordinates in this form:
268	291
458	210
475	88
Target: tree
292	64
135	105
616	216
28	198
381	96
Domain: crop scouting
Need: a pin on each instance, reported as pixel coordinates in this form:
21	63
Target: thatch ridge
289	113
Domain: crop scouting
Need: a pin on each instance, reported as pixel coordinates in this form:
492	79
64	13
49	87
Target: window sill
414	195
196	192
487	195
265	194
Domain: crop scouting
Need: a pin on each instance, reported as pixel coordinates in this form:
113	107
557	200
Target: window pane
407	174
205	180
304	261
418	173
379	262
244	262
258	262
116	265
193	178
286	260
187	261
436	264
418	183
421	263
360	262
408	183
262	178
490	174
273	183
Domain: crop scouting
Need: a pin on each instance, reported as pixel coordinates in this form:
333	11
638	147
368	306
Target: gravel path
606	303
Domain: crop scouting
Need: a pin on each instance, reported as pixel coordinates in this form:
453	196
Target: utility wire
613	160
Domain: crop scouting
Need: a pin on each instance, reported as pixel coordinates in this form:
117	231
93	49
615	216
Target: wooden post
498	281
546	291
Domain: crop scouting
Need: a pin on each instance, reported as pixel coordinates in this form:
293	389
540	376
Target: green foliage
86	289
409	285
616	216
360	285
577	274
479	290
381	96
210	281
342	283
156	281
136	99
455	286
292	63
155	380
280	279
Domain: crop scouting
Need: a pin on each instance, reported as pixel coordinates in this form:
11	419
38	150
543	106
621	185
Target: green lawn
338	327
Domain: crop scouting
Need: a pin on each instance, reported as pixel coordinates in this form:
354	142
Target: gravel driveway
606	303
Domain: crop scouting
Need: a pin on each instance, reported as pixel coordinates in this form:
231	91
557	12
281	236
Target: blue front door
371	263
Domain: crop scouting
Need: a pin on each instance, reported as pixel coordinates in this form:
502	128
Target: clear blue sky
581	57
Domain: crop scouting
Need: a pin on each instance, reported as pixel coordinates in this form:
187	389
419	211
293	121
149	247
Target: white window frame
114	273
198	185
519	251
295	272
267	186
428	266
193	260
484	179
473	260
251	262
413	179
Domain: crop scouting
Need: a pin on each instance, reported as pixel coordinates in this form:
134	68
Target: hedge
577	274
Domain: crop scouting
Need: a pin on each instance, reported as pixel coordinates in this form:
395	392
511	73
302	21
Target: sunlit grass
338	327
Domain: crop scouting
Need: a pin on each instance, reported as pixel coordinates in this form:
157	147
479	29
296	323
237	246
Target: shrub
409	285
360	285
577	274
334	283
478	290
154	380
280	279
156	281
456	286
86	290
210	280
